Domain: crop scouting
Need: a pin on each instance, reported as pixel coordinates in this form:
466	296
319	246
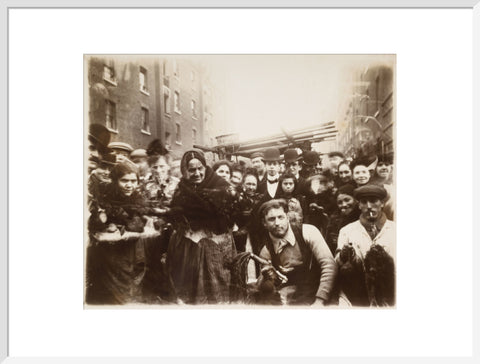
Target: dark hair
342	163
123	168
272	204
222	162
250	172
359	162
237	167
156	148
285	175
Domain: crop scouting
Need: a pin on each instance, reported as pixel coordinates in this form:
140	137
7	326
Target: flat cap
256	155
336	154
370	190
120	146
138	153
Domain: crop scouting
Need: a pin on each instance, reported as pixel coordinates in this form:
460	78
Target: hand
158	210
314	206
284	270
149	222
318	302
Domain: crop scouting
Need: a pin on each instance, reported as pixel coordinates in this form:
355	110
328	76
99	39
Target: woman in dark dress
201	246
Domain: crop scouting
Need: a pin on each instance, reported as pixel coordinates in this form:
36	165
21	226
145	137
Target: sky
264	93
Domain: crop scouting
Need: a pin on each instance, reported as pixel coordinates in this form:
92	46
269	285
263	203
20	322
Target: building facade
151	97
367	127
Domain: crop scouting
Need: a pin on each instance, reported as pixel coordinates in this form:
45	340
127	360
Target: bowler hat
272	155
370	190
311	158
291	155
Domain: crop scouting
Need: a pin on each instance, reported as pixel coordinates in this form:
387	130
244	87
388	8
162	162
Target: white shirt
356	234
272	187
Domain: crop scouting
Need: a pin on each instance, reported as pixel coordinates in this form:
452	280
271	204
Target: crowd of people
276	229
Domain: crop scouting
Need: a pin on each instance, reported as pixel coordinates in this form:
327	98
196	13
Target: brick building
141	98
368	123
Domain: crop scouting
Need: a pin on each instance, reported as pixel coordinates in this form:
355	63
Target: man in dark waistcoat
302	255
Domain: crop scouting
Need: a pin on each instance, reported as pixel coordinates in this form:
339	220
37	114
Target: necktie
272	181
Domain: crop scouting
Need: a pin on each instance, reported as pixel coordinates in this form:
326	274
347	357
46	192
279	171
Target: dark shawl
208	205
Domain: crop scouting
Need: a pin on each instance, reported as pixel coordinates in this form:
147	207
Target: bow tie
272	181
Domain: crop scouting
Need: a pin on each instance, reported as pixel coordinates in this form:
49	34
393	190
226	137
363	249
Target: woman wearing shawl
202	245
116	267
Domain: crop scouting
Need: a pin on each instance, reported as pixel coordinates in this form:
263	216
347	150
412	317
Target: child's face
288	185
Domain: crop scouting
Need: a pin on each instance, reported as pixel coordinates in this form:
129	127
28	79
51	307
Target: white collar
272	178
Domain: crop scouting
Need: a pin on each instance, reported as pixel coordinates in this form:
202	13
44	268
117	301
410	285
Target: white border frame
4	198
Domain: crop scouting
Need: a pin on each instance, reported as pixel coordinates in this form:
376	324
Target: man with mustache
300	253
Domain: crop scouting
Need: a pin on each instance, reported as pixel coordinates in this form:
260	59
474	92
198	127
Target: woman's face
250	185
195	171
128	183
344	173
346	204
288	185
160	168
383	170
361	175
224	172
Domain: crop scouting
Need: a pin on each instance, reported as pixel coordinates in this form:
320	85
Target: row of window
109	75
111	123
111	117
176	103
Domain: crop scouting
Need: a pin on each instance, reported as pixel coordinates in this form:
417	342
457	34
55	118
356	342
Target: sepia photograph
245	180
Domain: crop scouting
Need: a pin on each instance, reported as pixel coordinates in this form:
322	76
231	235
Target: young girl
295	201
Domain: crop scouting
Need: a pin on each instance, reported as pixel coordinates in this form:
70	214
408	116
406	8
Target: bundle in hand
380	277
351	276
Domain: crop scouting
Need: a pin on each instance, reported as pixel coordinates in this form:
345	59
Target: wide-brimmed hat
311	158
291	155
120	146
272	155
